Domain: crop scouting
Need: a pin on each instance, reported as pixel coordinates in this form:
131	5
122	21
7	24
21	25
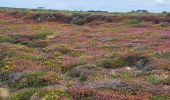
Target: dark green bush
79	21
135	21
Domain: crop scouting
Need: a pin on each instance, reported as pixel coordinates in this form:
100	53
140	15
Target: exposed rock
4	93
141	63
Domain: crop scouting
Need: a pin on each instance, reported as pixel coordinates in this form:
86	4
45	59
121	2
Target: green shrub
160	97
42	35
164	55
32	37
154	79
114	63
24	95
163	24
69	67
125	75
29	80
147	33
40	44
4	38
29	57
53	94
135	21
27	43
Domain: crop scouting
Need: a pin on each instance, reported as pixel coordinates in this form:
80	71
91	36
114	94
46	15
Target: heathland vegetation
62	55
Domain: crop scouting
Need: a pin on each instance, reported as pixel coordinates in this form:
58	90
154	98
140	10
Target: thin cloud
109	5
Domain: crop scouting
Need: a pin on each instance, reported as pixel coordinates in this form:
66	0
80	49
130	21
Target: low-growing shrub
147	33
29	57
9	66
163	24
29	80
164	55
125	75
114	63
80	73
42	35
23	95
79	21
69	67
160	97
78	93
5	38
154	79
54	94
40	44
27	43
135	21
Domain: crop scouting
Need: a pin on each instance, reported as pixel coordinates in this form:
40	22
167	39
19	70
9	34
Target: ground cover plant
61	55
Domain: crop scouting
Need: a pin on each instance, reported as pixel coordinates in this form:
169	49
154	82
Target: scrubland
48	55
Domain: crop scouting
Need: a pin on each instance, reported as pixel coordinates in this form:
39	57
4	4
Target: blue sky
106	5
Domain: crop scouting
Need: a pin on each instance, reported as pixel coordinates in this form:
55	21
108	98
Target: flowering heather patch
92	57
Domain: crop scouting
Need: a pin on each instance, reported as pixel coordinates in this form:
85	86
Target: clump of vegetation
29	80
114	62
5	38
147	33
9	66
69	67
160	97
164	55
82	92
80	73
40	44
54	94
23	95
154	79
29	57
135	22
125	75
163	24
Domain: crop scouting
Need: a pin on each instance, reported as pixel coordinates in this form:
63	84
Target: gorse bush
9	66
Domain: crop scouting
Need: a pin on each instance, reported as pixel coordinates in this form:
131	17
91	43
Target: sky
85	5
